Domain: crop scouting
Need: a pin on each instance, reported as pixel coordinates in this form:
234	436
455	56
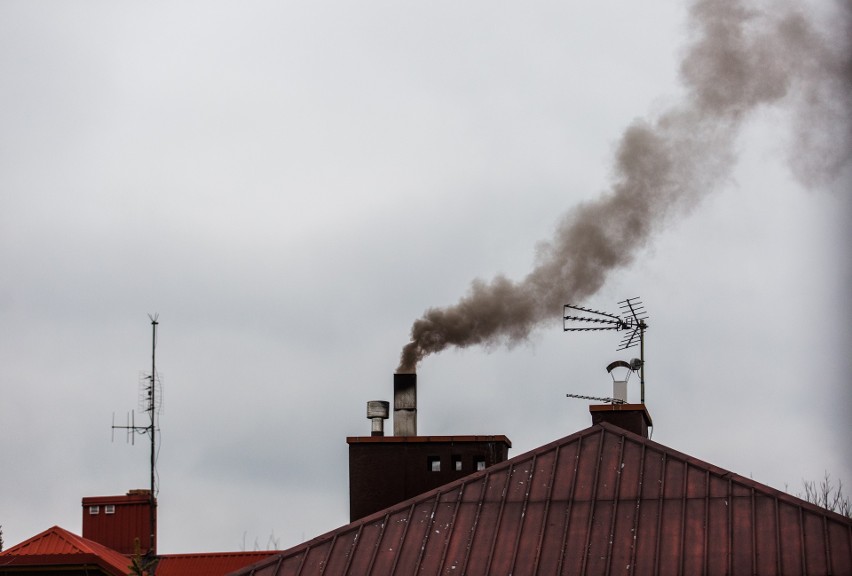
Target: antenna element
599	399
632	321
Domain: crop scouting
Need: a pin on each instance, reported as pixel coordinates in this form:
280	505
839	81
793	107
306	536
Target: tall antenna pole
148	395
152	408
642	326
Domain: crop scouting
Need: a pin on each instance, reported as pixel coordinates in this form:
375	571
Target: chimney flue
405	404
378	411
619	382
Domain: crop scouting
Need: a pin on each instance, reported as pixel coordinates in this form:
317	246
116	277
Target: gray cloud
740	60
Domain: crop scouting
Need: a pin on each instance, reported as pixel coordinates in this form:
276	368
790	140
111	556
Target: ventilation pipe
378	411
620	378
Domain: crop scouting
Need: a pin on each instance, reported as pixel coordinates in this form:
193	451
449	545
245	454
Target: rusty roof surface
59	547
601	501
213	564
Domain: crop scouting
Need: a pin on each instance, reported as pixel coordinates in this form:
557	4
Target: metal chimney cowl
378	411
405	404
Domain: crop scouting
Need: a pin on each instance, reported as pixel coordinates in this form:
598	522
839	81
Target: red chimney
119	522
632	417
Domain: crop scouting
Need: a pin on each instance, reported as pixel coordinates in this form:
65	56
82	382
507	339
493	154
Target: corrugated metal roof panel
601	501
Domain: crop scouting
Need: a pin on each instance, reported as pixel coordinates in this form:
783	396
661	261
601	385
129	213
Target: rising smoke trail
743	58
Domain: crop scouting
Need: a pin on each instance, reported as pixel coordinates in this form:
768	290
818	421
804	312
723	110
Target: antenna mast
152	409
151	406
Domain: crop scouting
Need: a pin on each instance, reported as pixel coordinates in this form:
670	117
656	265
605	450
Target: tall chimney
405	404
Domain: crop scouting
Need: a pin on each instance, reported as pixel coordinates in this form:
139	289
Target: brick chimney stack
632	417
118	522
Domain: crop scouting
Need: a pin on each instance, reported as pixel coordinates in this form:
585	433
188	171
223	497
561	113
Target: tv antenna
151	402
631	320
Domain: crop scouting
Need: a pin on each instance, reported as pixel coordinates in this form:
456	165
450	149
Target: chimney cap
378	409
618	364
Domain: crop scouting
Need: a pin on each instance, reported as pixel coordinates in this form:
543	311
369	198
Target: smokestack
405	404
377	411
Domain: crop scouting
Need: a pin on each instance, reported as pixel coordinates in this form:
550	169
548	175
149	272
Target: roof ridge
52	532
77	542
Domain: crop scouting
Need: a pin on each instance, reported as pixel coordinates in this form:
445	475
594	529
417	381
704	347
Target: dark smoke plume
741	59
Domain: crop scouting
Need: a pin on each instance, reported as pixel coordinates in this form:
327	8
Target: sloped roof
601	501
59	547
213	564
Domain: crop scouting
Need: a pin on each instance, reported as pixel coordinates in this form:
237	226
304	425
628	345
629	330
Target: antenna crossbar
131	428
608	400
634	308
591	311
609	321
630	340
616	324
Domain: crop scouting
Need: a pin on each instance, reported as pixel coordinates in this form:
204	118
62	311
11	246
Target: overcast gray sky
291	185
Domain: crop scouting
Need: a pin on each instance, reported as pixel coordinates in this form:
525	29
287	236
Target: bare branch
827	495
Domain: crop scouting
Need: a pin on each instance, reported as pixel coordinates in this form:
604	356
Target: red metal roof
601	501
214	564
59	547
